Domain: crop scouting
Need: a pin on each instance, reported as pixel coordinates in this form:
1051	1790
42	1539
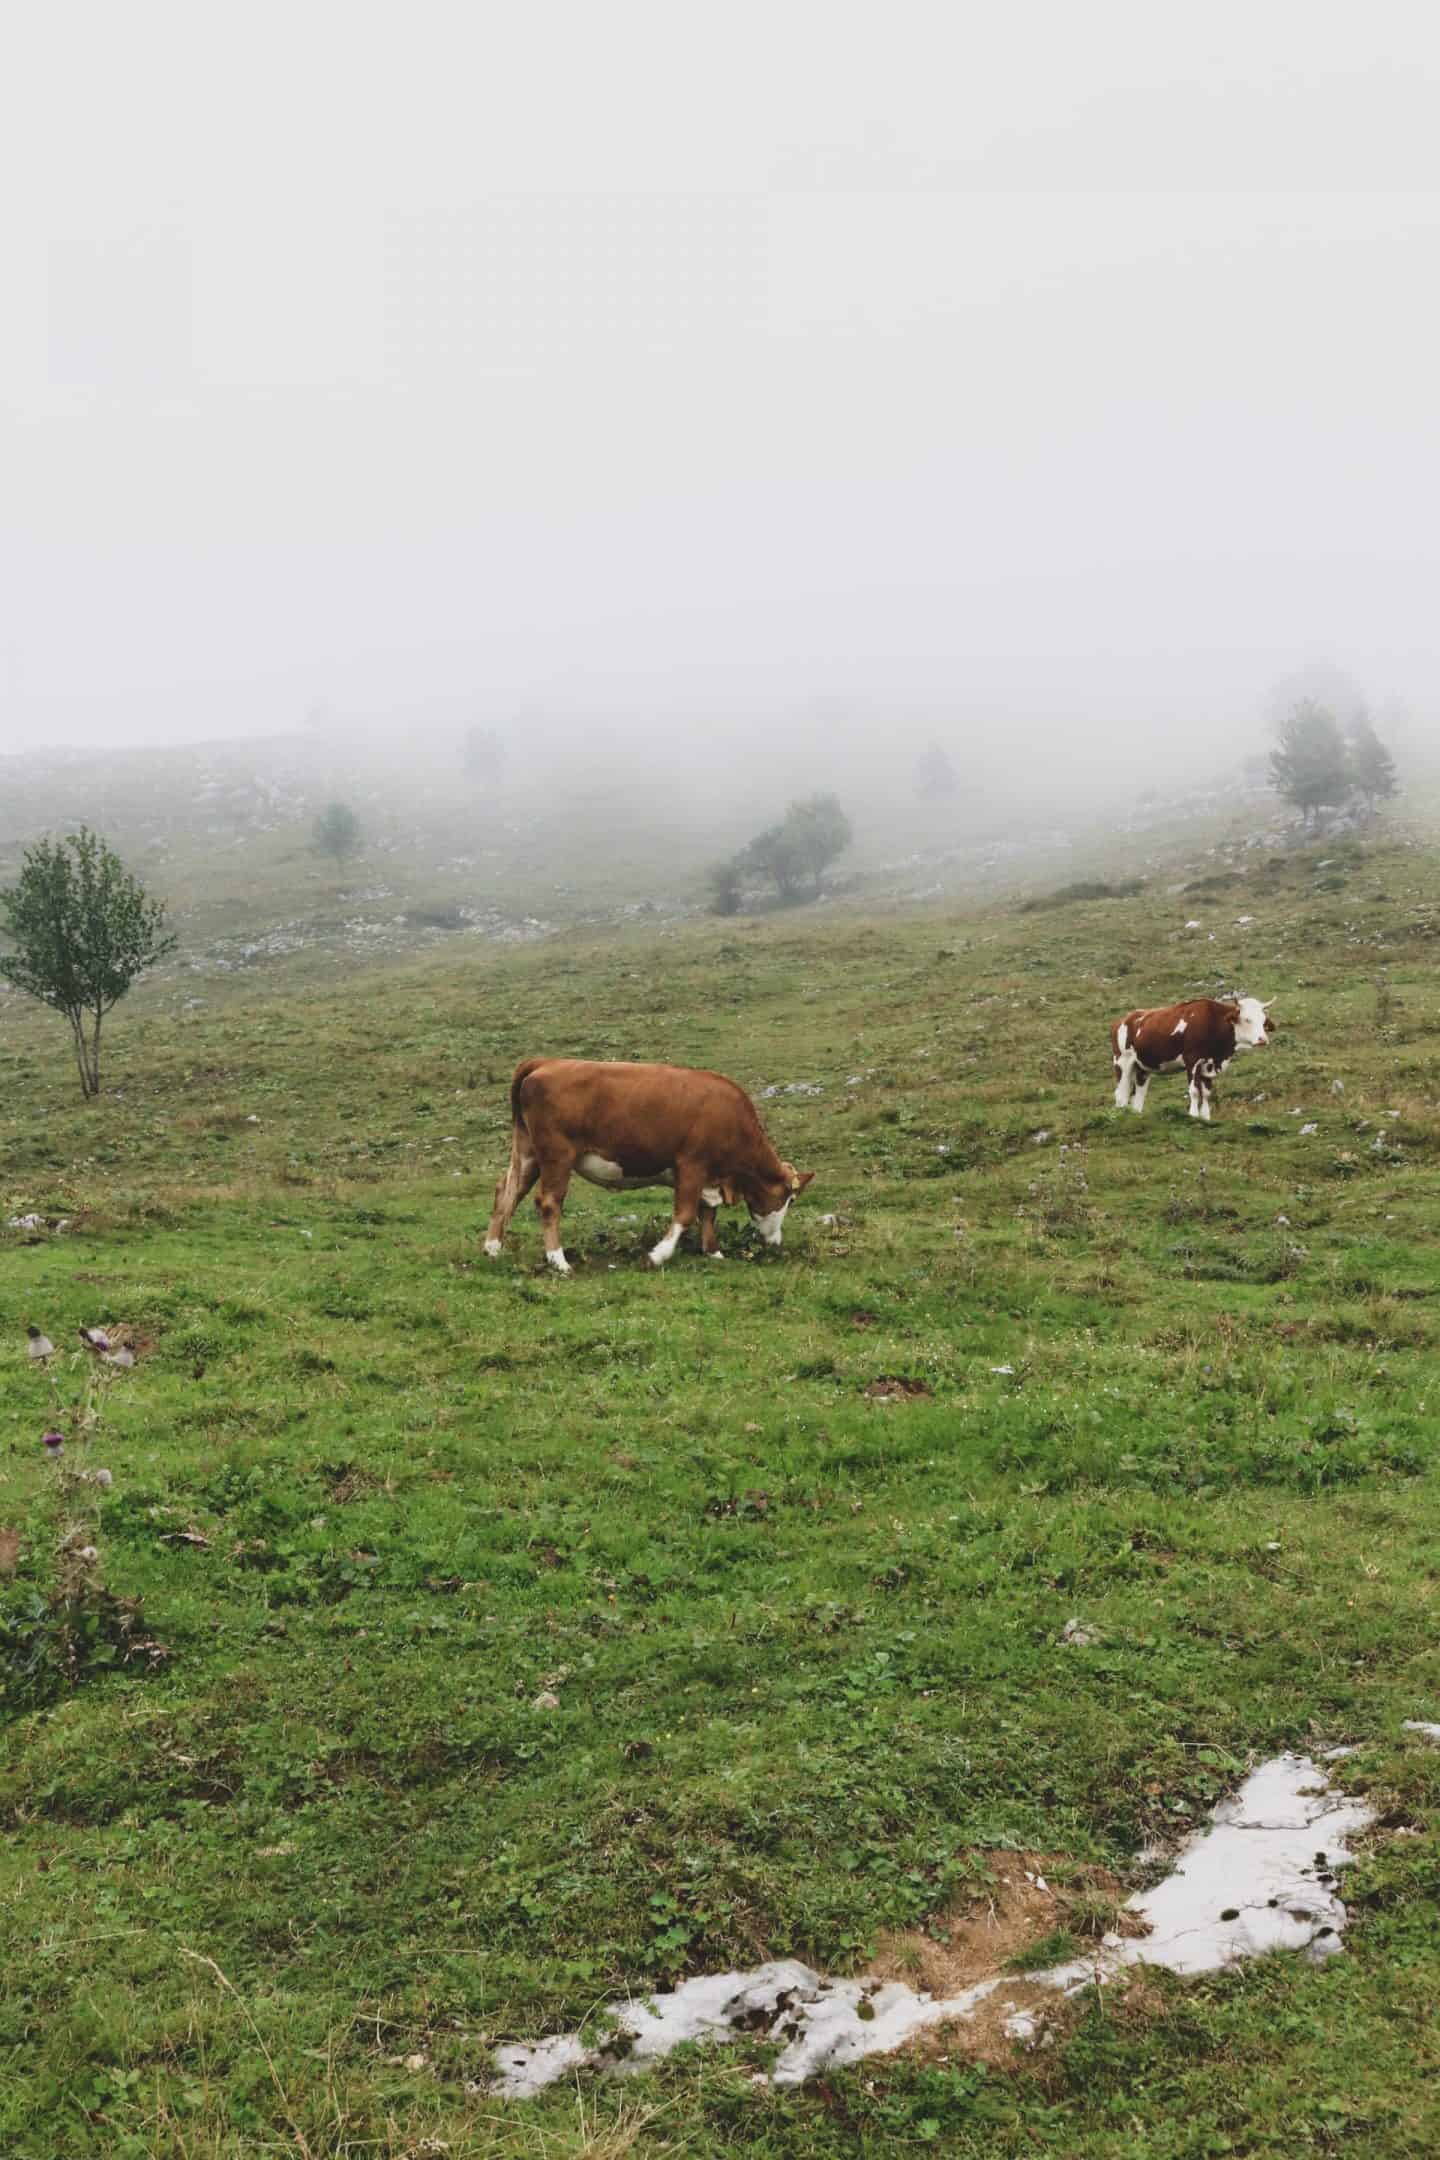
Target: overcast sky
1077	359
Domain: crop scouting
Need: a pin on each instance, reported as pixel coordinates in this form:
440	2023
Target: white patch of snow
1258	1877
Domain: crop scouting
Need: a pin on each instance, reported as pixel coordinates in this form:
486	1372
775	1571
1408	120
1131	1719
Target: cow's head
768	1199
1252	1024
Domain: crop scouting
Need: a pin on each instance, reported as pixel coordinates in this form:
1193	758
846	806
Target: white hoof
559	1262
715	1256
492	1248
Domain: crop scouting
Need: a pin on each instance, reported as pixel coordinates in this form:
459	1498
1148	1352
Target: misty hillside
560	835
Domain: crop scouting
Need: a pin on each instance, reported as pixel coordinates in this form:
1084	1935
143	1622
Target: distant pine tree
935	778
1309	765
1372	769
337	831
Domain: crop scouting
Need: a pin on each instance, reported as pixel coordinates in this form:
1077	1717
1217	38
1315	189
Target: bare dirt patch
897	1387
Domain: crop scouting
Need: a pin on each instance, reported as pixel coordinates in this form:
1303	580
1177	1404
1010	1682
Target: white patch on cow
712	1196
660	1253
1258	1877
600	1171
559	1262
771	1227
1122	1040
1250	1026
1180	1026
492	1248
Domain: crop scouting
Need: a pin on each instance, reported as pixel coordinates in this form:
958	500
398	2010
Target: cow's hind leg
1207	1087
511	1189
550	1200
1202	1087
688	1185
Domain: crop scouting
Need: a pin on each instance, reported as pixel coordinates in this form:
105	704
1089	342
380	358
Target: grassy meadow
294	1832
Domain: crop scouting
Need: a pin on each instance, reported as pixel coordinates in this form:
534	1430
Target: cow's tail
521	1074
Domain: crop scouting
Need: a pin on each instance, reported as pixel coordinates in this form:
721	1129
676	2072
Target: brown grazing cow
1202	1035
623	1126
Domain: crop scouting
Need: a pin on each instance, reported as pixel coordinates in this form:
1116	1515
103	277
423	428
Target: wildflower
54	1441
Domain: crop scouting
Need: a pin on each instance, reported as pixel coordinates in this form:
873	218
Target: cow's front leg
550	1201
1199	1082
1139	1082
709	1238
687	1207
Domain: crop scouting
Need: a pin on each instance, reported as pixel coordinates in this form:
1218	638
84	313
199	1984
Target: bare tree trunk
77	1027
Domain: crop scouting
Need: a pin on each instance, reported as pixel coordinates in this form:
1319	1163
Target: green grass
374	1495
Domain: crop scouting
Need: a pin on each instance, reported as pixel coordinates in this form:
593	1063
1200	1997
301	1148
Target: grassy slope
804	1642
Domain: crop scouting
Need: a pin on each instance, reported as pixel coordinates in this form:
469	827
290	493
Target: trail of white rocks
1259	1877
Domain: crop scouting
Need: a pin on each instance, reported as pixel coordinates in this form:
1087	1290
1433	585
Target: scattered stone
1306	1130
1077	1635
1337	1087
547	1699
1426	1731
39	1346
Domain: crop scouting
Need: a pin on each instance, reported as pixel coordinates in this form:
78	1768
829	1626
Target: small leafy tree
935	779
1372	769
797	851
81	930
818	830
1308	765
773	854
725	887
337	831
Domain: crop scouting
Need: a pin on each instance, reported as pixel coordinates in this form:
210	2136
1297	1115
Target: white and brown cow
1202	1035
623	1126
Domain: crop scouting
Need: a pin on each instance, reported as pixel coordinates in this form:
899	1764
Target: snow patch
1259	1877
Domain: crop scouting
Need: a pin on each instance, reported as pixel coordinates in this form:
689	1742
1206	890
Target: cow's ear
729	1192
799	1179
